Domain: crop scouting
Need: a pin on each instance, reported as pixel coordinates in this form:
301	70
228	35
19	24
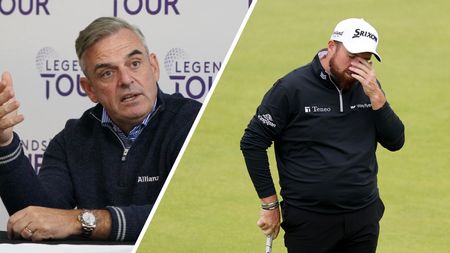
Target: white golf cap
357	35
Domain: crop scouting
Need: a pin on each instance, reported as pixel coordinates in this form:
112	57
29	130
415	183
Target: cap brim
361	50
377	56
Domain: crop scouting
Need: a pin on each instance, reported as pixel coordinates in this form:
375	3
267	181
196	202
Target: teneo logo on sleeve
193	78
61	76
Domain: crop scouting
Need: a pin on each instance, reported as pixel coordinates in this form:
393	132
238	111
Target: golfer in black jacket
325	120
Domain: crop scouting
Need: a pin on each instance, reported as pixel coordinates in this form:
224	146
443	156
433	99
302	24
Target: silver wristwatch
88	222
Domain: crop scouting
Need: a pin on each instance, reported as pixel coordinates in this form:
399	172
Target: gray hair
99	29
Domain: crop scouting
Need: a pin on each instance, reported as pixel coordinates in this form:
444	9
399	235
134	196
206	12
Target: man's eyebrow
108	65
102	65
135	52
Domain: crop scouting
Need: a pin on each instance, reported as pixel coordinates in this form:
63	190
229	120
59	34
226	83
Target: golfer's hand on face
8	109
364	72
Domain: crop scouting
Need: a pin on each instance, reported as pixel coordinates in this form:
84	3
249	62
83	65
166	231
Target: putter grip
268	244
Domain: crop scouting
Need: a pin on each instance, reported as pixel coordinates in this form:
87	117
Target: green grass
211	205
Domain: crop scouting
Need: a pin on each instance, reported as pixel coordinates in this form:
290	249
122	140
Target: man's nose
125	76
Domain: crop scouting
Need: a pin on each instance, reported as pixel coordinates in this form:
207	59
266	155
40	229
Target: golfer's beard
343	81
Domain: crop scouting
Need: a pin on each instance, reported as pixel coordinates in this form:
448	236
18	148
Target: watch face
89	218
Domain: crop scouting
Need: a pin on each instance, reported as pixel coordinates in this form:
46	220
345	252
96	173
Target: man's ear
154	65
87	87
332	46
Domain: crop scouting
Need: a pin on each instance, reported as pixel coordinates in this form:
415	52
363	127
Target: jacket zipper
124	154
341	103
126	149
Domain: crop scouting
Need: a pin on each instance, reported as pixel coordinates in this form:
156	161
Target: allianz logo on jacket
147	179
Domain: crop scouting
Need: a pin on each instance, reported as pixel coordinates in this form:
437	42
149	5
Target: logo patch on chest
147	179
360	106
317	109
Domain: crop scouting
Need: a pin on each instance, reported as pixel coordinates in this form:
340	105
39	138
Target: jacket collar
318	70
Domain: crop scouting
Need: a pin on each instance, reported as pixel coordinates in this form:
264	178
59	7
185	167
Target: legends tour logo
61	76
192	78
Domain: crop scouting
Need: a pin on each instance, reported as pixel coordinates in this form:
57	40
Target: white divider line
194	126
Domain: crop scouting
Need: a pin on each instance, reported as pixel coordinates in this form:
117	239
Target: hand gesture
8	109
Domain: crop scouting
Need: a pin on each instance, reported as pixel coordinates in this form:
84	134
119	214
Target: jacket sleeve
127	221
19	184
270	119
389	128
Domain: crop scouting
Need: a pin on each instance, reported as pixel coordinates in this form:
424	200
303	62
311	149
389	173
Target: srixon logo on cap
359	33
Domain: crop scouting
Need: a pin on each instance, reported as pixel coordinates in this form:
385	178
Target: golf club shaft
268	244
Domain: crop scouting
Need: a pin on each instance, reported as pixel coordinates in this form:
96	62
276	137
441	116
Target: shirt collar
106	120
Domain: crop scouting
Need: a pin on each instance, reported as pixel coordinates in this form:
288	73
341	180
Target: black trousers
354	232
